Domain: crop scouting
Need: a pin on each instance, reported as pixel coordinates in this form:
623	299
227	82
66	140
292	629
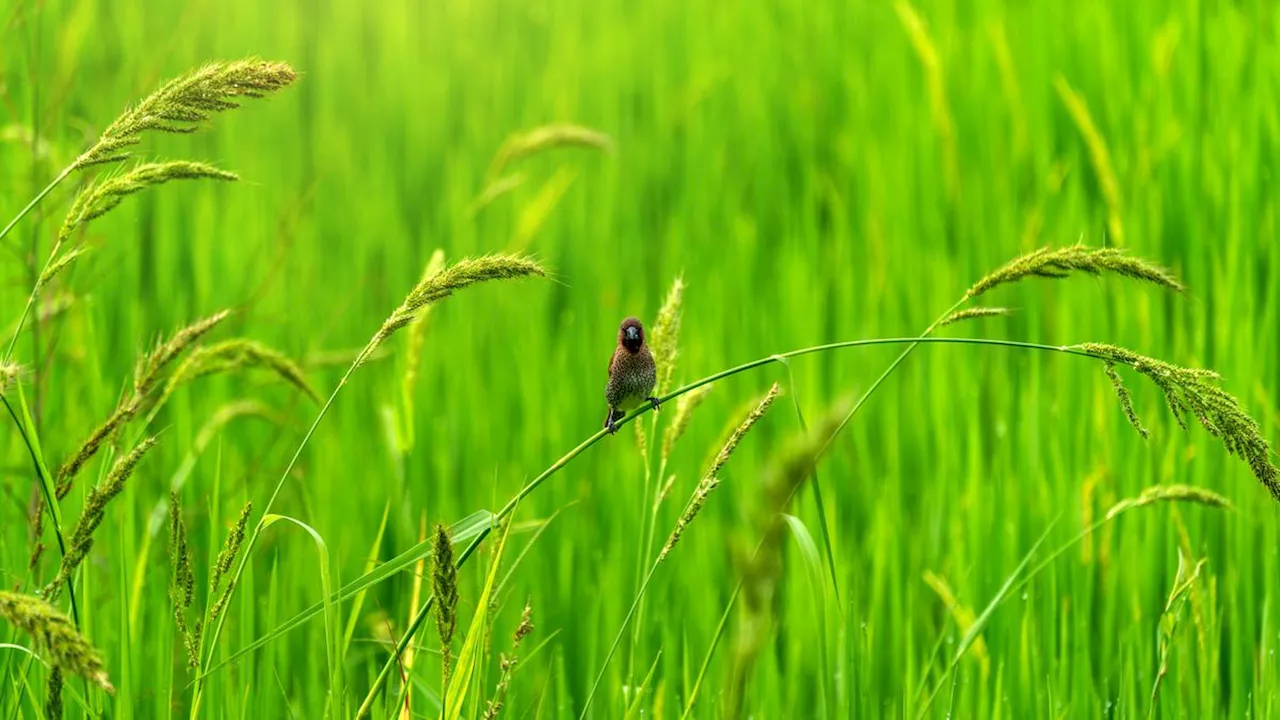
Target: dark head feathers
631	334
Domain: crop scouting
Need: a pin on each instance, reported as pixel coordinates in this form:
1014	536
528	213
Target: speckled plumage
632	373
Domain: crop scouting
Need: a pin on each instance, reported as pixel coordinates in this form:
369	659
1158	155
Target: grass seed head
182	583
10	374
685	405
974	313
53	695
548	137
184	103
1126	400
152	365
226	558
237	355
99	198
94	510
1063	262
434	288
1171	493
1189	392
444	585
664	341
711	479
56	635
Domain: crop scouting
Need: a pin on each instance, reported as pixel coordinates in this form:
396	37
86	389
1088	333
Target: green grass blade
634	710
330	609
817	491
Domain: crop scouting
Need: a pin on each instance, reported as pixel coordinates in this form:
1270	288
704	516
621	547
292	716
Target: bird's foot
612	427
655	402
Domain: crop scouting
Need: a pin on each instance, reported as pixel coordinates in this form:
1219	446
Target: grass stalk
555	467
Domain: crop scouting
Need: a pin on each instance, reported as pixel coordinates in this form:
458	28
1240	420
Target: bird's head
631	335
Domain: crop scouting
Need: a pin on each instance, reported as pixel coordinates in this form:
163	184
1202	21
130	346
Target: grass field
814	172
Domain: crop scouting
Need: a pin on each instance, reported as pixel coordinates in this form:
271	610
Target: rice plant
962	317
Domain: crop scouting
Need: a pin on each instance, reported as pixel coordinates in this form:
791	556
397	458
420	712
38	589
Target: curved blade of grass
330	611
466	529
817	492
26	428
23	648
813	566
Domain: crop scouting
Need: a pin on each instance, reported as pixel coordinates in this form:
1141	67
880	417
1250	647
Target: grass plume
10	374
184	103
547	137
507	664
237	355
444	587
1062	262
53	695
1126	400
1189	391
685	406
441	285
95	507
711	479
101	197
226	557
413	358
1170	493
664	341
153	364
973	313
56	635
182	582
146	375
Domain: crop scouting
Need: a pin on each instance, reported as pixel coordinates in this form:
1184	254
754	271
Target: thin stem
57	245
50	501
715	642
889	371
36	200
257	528
600	434
618	640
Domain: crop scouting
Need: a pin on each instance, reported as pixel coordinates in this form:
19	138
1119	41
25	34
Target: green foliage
815	172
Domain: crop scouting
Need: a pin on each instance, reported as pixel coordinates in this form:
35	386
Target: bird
632	374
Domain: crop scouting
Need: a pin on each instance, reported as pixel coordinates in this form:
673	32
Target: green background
812	180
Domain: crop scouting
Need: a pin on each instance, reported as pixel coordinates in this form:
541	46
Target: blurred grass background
817	172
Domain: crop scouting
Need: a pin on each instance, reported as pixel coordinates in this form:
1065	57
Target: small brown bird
632	374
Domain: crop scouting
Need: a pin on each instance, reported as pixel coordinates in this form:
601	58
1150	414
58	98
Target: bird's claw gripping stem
655	402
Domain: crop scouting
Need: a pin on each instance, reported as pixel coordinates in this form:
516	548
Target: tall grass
986	530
